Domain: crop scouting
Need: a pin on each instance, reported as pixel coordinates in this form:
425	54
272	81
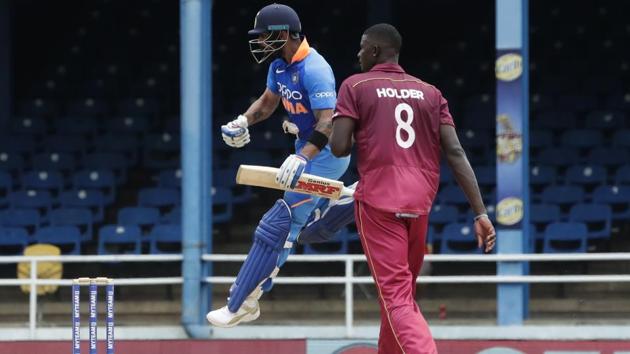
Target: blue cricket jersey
305	84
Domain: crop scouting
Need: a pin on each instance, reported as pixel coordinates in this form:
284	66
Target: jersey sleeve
445	114
271	78
319	83
346	103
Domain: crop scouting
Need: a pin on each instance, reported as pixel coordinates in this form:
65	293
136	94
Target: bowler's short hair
385	35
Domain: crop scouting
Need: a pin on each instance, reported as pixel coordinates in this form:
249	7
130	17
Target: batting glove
291	170
235	133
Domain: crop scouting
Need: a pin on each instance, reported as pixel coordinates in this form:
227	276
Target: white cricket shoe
249	311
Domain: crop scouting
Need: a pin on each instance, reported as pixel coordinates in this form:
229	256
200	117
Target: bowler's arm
463	172
341	137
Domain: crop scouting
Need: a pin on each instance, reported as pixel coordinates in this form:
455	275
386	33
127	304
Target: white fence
349	279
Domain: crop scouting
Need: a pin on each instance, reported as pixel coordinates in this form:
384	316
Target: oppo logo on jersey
403	93
286	92
287	95
326	94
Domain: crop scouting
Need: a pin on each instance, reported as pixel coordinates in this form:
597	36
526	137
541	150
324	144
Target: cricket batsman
303	81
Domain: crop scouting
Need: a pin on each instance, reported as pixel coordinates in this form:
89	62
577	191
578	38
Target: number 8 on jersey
404	125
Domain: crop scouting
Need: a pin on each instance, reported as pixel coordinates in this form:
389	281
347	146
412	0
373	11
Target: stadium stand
94	129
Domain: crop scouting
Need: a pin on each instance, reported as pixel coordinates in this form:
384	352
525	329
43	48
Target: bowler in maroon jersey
400	124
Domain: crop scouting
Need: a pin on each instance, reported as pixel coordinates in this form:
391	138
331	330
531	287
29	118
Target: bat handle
346	192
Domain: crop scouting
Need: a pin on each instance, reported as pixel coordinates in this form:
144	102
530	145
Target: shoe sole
247	317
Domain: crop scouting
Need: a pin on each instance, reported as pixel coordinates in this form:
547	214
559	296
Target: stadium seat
542	215
125	144
577	103
108	161
12	163
47	88
79	217
226	178
13	240
166	238
242	157
25	218
617	197
75	145
558	156
6	187
539	102
273	140
476	143
54	162
619	102
171	178
89	106
91	199
77	125
37	107
61	236
596	217
480	103
141	216
587	176
556	84
459	238
541	177
446	175
32	199
609	157
581	138
337	245
622	176
563	196
540	139
128	124
605	120
430	238
486	178
556	120
564	237
621	138
35	126
51	181
138	106
23	145
601	84
221	205
455	196
125	239
441	215
159	197
161	151
148	86
173	217
102	180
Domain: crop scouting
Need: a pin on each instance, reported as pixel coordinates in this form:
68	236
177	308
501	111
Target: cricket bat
264	176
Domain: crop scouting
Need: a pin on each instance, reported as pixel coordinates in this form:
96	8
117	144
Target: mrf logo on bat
316	186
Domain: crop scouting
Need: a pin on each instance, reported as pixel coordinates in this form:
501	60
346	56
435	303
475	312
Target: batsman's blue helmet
276	17
269	24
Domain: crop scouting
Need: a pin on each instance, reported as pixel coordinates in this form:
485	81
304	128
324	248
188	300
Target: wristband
318	139
480	216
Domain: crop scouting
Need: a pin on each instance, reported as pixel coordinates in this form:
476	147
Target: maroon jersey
397	134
